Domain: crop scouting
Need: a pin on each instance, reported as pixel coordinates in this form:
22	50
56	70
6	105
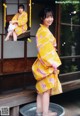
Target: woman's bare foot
6	39
38	112
50	113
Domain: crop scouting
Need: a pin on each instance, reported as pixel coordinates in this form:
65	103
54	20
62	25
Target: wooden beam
24	36
14	111
69	76
16	99
71	85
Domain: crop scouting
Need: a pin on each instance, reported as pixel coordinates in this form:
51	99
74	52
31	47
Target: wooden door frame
57	26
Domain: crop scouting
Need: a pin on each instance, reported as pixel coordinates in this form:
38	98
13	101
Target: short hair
44	11
21	6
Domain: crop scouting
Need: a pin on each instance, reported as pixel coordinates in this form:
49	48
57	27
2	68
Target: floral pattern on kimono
47	61
22	22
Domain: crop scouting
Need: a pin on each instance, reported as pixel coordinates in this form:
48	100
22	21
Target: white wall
22	1
13	8
16	1
31	47
11	1
13	49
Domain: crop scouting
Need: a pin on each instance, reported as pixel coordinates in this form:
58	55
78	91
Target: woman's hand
55	70
14	21
10	22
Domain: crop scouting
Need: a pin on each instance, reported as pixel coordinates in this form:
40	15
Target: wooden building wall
15	65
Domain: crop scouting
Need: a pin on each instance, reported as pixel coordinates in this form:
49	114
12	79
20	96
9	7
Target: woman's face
48	20
20	10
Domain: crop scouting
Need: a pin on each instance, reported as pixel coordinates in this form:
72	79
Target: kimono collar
22	13
43	26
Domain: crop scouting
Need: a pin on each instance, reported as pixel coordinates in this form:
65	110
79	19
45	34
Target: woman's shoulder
16	14
42	30
24	12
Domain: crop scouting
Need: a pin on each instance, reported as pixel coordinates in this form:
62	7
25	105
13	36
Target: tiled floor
70	101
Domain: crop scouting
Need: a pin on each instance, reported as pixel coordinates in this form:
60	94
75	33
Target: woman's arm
15	17
47	53
23	19
14	21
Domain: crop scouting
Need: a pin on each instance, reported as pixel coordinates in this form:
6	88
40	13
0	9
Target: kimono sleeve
46	51
23	20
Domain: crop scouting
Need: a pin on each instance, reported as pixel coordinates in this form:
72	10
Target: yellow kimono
22	22
48	59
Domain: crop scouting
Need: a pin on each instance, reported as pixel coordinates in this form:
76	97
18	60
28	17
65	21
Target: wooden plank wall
16	65
15	81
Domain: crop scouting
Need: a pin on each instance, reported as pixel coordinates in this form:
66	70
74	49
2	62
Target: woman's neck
45	26
20	13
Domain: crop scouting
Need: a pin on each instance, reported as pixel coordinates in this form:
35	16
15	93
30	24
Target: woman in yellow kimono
18	24
45	68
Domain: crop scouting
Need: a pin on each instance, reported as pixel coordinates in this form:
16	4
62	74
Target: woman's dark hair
21	6
43	13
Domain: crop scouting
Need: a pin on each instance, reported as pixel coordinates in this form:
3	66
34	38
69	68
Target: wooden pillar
14	111
57	27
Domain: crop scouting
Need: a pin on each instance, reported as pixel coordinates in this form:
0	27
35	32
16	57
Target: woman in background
45	68
18	24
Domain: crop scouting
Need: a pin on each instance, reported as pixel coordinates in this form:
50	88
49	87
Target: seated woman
18	24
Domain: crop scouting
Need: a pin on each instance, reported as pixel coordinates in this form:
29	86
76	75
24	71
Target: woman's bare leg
8	35
39	103
14	36
45	102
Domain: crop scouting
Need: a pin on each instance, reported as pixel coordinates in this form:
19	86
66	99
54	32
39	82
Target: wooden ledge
71	85
24	36
18	98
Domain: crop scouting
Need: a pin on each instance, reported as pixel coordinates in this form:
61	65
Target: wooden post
14	111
